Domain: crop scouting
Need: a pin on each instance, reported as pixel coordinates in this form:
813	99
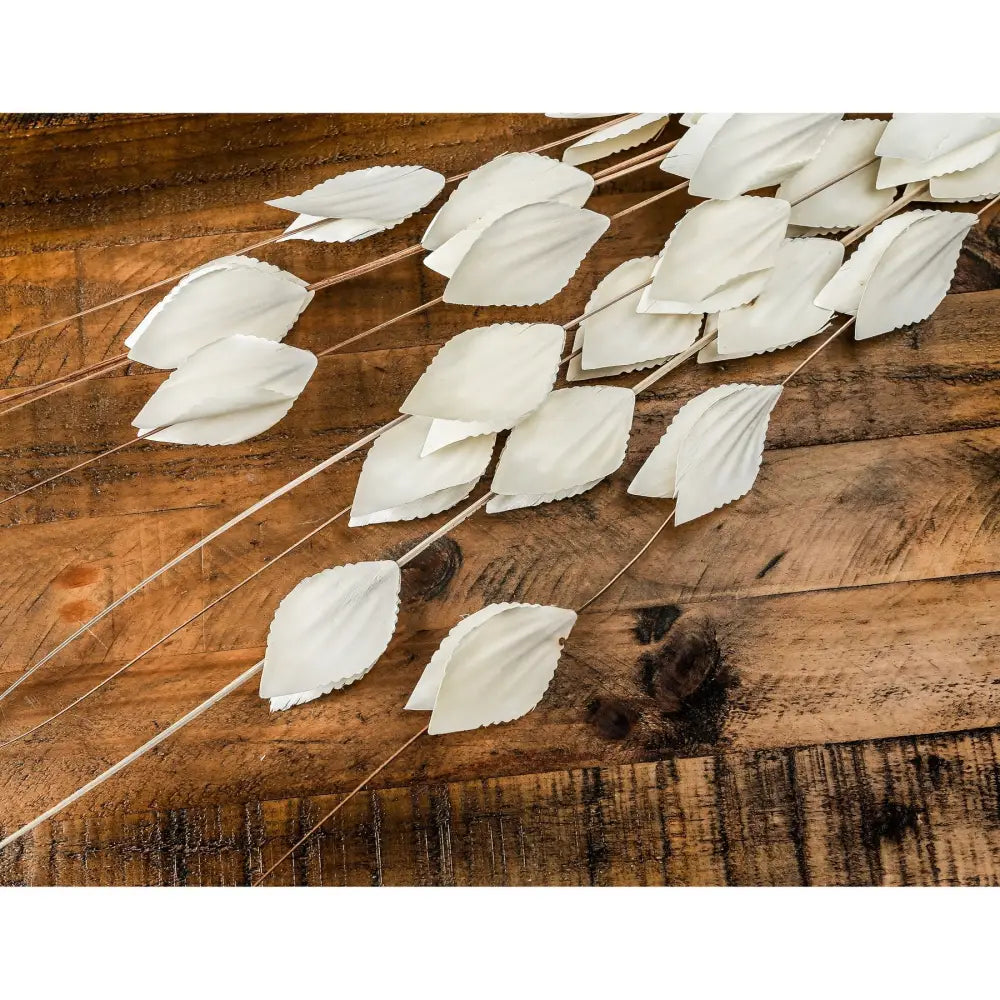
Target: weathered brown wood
851	597
895	812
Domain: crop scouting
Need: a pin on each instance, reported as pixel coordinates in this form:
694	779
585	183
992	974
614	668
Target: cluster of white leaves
329	631
225	296
711	452
231	390
900	272
360	203
849	201
725	155
492	667
958	153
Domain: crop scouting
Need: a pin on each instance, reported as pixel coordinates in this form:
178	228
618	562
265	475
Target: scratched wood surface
802	688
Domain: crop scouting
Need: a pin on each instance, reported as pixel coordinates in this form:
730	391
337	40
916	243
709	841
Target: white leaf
928	256
398	484
849	202
334	230
690	118
492	377
617	335
784	312
227	392
383	194
842	292
492	667
683	159
980	181
927	136
516	501
506	182
615	138
573	440
913	274
657	476
752	151
225	296
330	629
892	172
526	257
720	457
717	256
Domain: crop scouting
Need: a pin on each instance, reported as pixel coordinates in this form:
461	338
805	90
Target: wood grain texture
801	688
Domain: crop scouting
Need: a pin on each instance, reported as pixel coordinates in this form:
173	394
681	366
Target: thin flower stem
340	805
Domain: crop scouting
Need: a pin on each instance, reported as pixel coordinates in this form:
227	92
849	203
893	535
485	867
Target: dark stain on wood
889	821
770	564
652	624
429	575
612	718
76	576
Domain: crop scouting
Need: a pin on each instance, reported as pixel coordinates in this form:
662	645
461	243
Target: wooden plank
635	684
894	812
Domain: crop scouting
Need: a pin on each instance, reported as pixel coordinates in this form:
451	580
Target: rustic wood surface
802	688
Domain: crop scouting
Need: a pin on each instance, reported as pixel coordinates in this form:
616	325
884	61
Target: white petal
848	202
720	458
509	181
717	256
493	376
892	172
494	666
225	296
843	291
396	483
657	476
618	335
335	230
752	151
385	194
227	392
913	275
526	257
683	159
784	312
576	436
981	181
615	138
330	629
926	136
